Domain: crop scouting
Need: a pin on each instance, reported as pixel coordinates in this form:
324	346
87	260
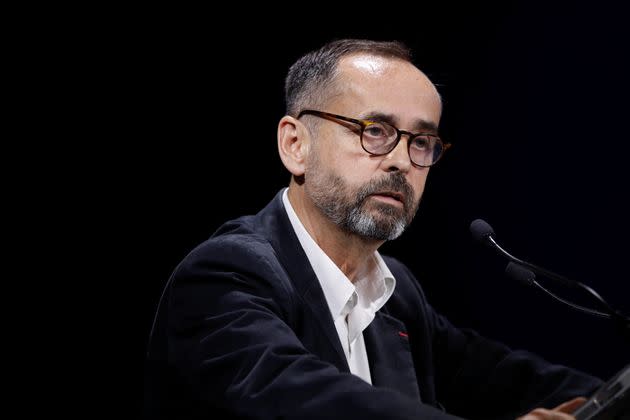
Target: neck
350	252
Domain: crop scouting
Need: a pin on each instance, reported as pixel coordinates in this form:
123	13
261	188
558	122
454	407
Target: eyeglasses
378	138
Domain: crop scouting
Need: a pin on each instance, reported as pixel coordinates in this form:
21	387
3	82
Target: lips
393	194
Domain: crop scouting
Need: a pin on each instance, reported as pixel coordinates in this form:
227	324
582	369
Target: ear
293	144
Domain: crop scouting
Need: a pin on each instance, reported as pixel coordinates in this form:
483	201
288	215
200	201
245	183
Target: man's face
372	196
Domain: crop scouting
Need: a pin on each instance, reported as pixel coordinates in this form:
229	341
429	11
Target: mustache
395	182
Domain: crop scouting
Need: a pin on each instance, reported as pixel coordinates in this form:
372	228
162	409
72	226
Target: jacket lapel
389	355
278	230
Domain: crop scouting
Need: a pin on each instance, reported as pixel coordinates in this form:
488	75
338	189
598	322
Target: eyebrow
421	125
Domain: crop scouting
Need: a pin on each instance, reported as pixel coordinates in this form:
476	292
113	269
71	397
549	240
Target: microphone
525	272
521	274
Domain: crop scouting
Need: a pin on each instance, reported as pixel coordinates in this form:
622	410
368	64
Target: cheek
417	181
358	170
354	166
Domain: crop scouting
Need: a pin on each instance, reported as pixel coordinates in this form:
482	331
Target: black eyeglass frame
366	123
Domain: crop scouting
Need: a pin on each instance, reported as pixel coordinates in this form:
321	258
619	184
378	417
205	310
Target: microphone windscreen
519	273
481	230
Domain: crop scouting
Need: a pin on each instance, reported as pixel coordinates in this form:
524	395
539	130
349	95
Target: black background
535	103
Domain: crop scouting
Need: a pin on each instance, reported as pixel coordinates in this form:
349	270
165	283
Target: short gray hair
311	76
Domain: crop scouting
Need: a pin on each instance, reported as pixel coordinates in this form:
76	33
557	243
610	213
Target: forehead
368	83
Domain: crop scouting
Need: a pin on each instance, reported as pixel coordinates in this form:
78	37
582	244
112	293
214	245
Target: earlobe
292	144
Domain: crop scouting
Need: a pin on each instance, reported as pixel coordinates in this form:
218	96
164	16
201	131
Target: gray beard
363	224
351	211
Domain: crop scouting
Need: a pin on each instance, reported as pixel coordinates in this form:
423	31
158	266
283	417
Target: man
293	313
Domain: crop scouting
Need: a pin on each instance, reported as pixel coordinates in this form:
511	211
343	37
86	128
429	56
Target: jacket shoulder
239	251
235	242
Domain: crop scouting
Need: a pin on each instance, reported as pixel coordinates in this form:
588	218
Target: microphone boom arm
613	313
484	233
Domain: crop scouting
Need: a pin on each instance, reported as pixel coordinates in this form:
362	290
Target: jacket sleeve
478	378
231	343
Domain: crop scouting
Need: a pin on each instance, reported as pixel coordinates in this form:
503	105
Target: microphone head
481	231
519	273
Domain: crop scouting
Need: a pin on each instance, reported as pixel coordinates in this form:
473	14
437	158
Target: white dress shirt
352	306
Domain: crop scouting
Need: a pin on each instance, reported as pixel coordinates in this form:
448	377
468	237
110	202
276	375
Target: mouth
390	196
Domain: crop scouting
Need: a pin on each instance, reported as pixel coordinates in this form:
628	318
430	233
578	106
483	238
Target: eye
376	130
421	142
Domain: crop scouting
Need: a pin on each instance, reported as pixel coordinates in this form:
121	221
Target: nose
398	159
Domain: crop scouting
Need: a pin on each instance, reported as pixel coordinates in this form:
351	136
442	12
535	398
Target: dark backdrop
535	103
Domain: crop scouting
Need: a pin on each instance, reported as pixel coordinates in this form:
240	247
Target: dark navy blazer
244	331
